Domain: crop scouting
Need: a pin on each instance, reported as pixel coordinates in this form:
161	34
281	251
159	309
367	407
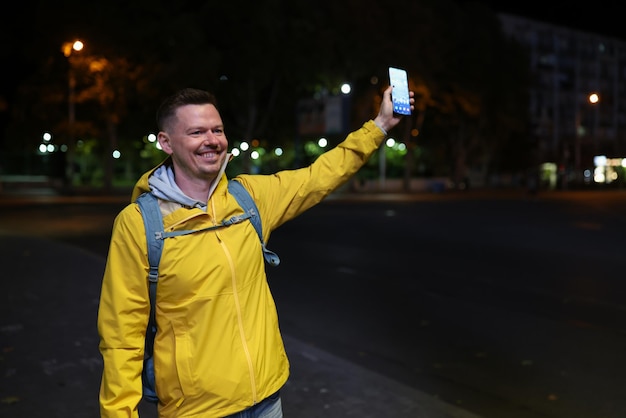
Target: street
507	305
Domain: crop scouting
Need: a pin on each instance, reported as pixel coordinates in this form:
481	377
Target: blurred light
346	88
244	146
235	152
374	80
323	142
278	152
598	175
390	142
623	162
50	148
599	160
152	138
68	47
158	146
64	148
402	147
117	154
42	148
47	137
415	132
255	142
594	98
254	155
97	65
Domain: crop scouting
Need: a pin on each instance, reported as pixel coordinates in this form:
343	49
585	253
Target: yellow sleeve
123	316
286	194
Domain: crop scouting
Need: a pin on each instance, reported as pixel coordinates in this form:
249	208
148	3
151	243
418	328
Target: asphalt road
507	305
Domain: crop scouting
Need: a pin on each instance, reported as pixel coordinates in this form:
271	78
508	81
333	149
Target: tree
261	58
479	92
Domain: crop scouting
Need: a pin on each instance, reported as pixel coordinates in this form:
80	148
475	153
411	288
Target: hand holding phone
399	80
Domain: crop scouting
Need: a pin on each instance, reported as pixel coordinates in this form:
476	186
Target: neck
197	189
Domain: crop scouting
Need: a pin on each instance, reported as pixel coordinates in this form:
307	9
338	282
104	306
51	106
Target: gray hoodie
163	185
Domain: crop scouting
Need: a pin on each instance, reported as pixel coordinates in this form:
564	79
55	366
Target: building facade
577	99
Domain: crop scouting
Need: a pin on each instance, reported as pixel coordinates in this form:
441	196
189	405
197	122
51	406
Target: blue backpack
155	234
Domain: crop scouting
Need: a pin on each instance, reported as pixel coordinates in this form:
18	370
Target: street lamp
593	99
68	48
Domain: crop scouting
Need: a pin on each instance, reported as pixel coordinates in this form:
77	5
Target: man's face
196	141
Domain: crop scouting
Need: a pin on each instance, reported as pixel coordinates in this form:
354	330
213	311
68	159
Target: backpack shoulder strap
247	204
153	222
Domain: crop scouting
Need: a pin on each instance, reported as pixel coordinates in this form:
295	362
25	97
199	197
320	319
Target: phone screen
400	94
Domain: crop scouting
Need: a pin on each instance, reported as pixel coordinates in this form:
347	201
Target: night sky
597	16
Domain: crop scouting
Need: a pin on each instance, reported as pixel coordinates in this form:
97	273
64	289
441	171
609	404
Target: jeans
269	407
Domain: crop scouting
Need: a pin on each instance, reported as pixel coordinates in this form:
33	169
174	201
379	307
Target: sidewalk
50	365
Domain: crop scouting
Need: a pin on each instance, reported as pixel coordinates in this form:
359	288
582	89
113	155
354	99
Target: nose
211	138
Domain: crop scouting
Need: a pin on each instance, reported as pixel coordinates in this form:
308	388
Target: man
218	349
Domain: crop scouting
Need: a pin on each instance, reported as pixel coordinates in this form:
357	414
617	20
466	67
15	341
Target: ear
164	141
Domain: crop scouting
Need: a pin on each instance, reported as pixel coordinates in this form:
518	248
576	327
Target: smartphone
399	79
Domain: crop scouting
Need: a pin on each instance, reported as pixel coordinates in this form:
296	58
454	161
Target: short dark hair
183	97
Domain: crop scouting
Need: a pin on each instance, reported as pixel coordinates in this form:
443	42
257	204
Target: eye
218	131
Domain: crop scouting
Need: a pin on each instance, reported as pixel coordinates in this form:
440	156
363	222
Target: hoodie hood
163	185
161	182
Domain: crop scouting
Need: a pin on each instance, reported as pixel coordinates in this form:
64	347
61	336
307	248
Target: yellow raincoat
218	349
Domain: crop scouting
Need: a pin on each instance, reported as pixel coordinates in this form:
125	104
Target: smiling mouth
211	155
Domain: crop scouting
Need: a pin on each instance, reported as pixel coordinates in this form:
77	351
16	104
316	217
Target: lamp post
593	99
68	48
